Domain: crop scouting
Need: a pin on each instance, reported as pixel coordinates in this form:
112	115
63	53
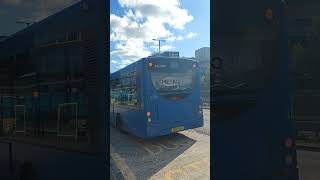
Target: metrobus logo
170	81
160	65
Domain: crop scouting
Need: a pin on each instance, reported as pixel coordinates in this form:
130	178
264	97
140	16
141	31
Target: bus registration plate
176	129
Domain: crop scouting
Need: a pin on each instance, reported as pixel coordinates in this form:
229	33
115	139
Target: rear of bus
171	95
253	136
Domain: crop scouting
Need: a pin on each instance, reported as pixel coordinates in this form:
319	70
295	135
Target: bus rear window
173	76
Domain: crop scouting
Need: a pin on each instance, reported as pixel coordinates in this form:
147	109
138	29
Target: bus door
250	92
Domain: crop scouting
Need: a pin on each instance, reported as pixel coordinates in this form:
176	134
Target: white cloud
144	20
180	37
191	35
131	49
163	48
114	61
121	63
167	47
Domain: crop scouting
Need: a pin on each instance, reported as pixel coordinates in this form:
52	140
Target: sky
184	24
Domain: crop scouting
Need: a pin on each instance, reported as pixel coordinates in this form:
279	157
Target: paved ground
309	165
185	155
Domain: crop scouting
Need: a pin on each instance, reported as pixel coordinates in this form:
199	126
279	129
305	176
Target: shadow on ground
144	158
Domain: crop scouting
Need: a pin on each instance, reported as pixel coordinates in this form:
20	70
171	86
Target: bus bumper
155	130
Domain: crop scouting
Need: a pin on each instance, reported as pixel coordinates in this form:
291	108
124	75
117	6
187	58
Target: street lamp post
159	40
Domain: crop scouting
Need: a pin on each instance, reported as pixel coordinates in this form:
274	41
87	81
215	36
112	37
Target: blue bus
253	136
156	96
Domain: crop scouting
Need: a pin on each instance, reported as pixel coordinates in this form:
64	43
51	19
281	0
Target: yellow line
169	173
144	146
167	147
197	165
122	165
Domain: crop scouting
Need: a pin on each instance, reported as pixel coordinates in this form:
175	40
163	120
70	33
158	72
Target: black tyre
119	124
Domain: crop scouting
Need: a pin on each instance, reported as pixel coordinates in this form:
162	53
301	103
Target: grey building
203	55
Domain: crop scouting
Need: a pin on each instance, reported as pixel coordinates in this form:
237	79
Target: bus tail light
200	110
150	64
290	157
149	116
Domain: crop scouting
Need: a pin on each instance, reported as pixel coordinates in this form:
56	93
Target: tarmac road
206	123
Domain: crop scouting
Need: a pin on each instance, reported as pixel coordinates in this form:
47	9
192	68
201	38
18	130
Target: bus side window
124	89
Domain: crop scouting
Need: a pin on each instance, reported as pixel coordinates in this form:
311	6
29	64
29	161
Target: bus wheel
119	123
27	172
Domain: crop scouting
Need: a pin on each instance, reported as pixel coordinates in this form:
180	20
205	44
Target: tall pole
159	40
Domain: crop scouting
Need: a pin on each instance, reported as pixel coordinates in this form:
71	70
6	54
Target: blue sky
185	24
